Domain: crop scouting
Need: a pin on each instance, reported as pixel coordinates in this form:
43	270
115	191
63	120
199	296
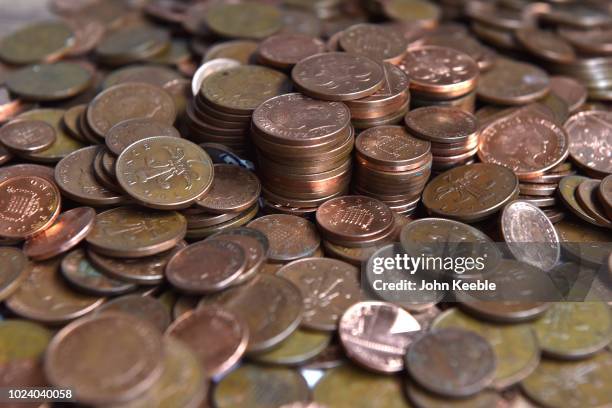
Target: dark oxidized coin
27	135
234	189
144	307
129	131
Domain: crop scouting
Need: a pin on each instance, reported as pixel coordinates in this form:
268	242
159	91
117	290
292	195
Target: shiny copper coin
234	189
354	218
451	362
28	205
216	336
123	134
393	90
68	231
135	233
377	335
604	194
143	307
338	76
27	135
13	272
290	237
392	147
441	124
328	287
378	42
470	193
109	345
590	141
225	261
285	50
26	169
544	190
440	72
586	195
570	90
527	144
513	83
270	306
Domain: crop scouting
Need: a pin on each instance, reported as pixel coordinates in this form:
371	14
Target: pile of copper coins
230	203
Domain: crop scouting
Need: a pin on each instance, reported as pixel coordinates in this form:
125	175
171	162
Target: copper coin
595	40
43	40
537	189
568	187
45	297
241	51
28	205
109	345
441	124
216	336
586	195
470	193
75	176
546	45
584	243
270	306
440	72
129	101
381	43
143	307
250	20
123	134
604	194
392	147
394	89
26	169
68	231
208	68
250	241
285	50
328	287
290	237
131	232
377	335
451	362
165	172
13	272
354	218
590	141
530	235
234	189
225	261
156	75
570	90
513	83
527	144
338	76
27	135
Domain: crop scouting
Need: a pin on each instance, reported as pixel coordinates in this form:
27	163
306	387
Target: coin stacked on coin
304	150
392	166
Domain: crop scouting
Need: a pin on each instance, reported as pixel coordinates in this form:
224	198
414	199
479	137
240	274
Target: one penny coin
234	189
513	83
285	50
571	91
216	336
590	141
441	124
123	134
251	244
27	135
28	205
378	42
391	147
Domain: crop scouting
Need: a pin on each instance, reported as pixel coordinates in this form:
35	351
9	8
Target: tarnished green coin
349	386
425	399
77	270
36	43
13	267
572	384
412	11
583	242
131	44
301	346
572	330
49	82
251	386
22	339
132	232
515	346
242	89
165	172
149	74
63	145
244	20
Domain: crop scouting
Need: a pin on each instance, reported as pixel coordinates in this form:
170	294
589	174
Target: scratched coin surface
27	135
470	193
530	235
375	41
338	76
128	101
45	296
328	287
290	237
377	335
13	271
134	233
225	261
68	231
123	134
572	384
28	205
590	141
108	345
234	189
271	307
165	172
528	144
513	83
215	335
451	362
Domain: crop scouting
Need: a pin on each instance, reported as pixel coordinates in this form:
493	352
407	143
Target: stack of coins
441	76
304	151
588	199
392	166
221	111
452	132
